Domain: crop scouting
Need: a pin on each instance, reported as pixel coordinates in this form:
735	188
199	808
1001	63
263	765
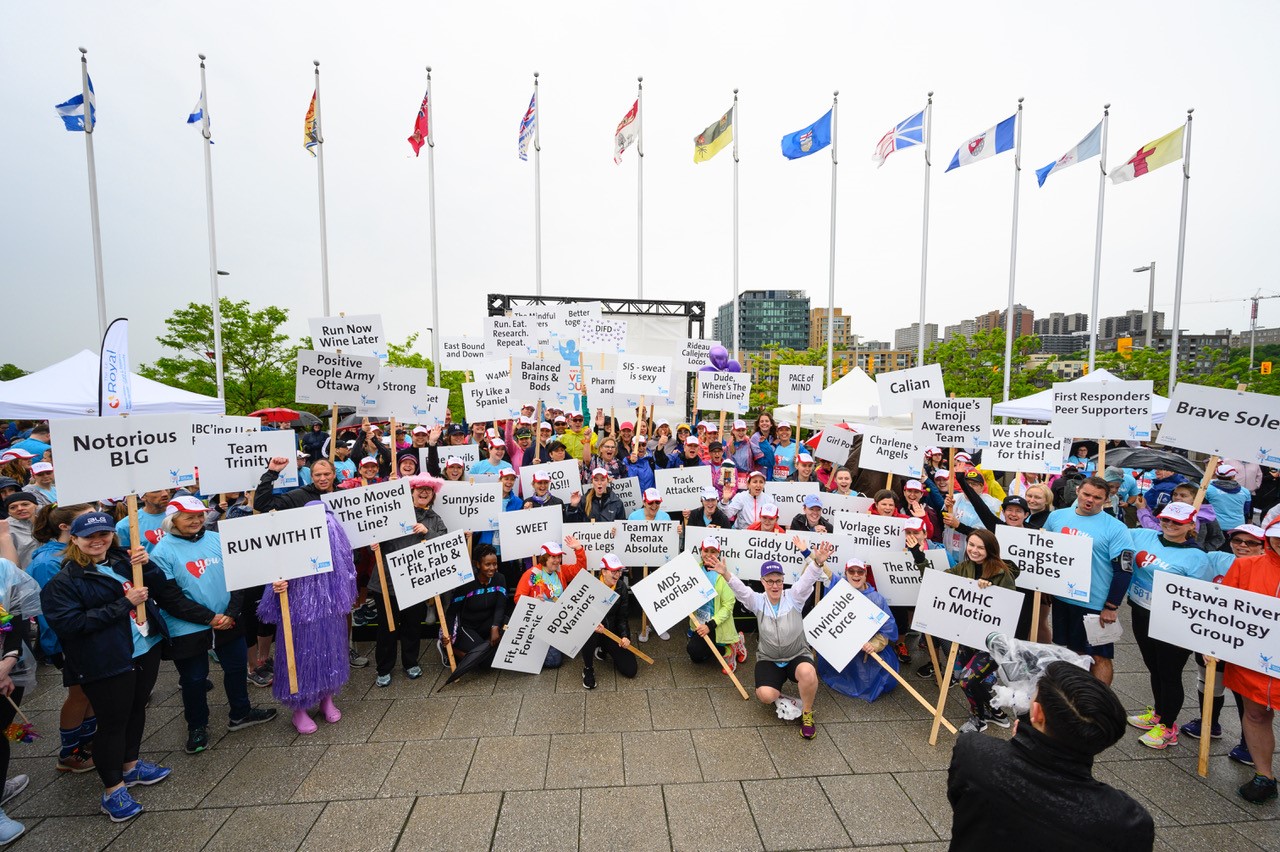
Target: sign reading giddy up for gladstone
109	456
842	623
673	592
429	568
372	513
1226	423
257	550
577	611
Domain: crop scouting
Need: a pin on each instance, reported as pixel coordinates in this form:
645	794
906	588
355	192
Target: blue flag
808	141
71	111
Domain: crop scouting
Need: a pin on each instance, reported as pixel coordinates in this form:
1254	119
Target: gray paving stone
681	709
185	831
733	712
58	834
414	719
429	767
552	714
1265	833
538	820
698	813
732	754
651	677
776	805
873	747
265	827
585	760
348	771
459	823
508	763
484	716
875	810
928	792
523	684
67	795
1208	838
42	773
194	777
618	711
265	776
1103	773
1185	799
473	683
363	825
359	720
659	757
644	828
795	757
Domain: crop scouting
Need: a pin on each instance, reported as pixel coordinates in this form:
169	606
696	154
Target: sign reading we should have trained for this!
1226	423
952	422
1027	449
110	456
1107	409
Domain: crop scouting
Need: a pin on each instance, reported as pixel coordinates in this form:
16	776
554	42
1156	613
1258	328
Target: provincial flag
712	141
1150	157
421	128
527	125
988	143
1089	146
197	111
907	133
71	111
310	130
811	139
627	131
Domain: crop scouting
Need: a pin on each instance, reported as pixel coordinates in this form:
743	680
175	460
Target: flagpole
737	339
1013	249
324	228
831	261
537	189
1182	245
1097	242
431	227
93	194
924	238
640	188
207	143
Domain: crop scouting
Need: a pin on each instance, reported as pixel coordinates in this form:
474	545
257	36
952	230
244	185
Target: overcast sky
1150	62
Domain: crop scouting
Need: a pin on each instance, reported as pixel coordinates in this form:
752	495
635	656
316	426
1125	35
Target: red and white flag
421	129
626	133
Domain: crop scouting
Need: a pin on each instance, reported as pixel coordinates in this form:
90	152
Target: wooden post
720	434
1209	470
888	483
290	660
942	694
1102	456
613	431
799	437
644	616
444	633
951	471
135	540
333	431
639	419
1206	715
924	702
632	648
537	434
395	460
386	591
724	666
1035	617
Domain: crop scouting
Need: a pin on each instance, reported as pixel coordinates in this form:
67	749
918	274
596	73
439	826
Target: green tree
8	372
402	355
974	366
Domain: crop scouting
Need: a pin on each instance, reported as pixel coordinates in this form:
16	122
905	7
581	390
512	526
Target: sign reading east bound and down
429	568
1049	562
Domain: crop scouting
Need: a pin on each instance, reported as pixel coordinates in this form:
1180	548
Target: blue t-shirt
484	466
1152	555
148	527
1110	539
784	460
144	638
638	515
196	567
344	469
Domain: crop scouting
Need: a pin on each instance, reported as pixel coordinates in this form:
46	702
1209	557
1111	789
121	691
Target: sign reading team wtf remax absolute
1225	423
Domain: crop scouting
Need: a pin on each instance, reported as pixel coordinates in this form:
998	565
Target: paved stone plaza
672	760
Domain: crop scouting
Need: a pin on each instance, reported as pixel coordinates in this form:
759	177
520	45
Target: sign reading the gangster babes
641	543
799	385
729	392
564	475
1028	449
354	335
109	456
523	533
673	592
575	614
841	624
257	550
405	393
952	422
1226	423
897	577
469	507
835	445
429	568
954	608
1108	409
374	512
649	377
1049	562
520	649
899	388
489	401
890	451
236	462
1217	621
462	353
329	378
681	487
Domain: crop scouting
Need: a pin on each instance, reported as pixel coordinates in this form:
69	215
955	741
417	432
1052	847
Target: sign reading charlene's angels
1028	449
799	385
353	335
890	451
900	387
952	607
260	549
1107	409
952	422
327	378
1225	423
1218	621
405	393
729	392
109	456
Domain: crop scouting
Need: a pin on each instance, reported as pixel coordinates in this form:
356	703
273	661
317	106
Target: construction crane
1253	315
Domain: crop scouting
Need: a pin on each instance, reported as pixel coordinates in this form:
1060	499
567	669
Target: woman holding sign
599	646
863	678
477	611
599	505
549	576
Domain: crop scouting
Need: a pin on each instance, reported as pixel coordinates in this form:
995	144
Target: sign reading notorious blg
109	456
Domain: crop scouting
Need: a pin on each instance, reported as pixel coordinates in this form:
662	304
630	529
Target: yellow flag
310	135
711	141
1151	156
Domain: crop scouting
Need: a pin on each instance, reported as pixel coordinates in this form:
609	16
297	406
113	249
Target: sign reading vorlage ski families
799	385
954	608
643	376
406	394
575	614
1225	423
597	540
842	622
1218	621
673	592
236	462
483	401
870	532
896	576
729	392
1026	449
952	422
257	550
329	378
835	445
110	456
470	507
1108	409
540	378
507	336
429	568
520	649
694	354
353	335
681	487
523	533
641	543
564	478
374	512
900	388
890	451
462	353
1049	562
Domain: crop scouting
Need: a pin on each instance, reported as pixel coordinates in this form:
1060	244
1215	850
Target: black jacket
312	443
615	620
604	510
1030	792
718	519
480	607
264	500
90	614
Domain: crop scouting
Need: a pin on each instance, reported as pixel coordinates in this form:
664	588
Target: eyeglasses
776	581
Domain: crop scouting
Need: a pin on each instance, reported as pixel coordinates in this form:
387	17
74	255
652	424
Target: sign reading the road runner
1218	621
329	378
429	568
1027	449
257	550
649	377
952	422
890	451
507	336
375	512
729	392
405	393
641	543
462	353
842	622
597	540
835	445
673	592
954	608
900	388
896	576
681	487
354	335
1225	423
520	649
489	401
1049	562
575	614
109	456
1107	409
695	354
236	462
469	507
799	385
564	478
523	533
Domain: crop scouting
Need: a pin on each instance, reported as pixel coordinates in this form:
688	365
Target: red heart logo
197	568
1070	531
153	536
1142	559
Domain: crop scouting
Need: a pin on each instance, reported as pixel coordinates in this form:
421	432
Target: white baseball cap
550	548
368	460
1182	513
1225	470
42	467
651	495
544	425
769	510
739	424
541	476
1247	529
455	461
421	430
185	503
599	471
713	543
913	485
804	458
964	458
609	562
492	436
15	453
753	474
710	493
913	524
560	419
941	473
691	441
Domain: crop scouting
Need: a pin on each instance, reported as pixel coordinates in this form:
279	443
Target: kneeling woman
548	578
783	653
599	646
863	677
478	609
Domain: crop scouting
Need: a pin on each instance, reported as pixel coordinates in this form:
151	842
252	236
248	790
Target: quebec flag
988	143
71	111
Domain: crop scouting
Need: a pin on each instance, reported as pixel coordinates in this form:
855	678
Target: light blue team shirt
784	457
148	527
485	466
638	515
1110	539
344	469
196	568
1152	555
144	638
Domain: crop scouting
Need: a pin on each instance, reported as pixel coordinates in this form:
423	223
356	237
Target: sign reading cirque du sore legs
835	445
575	614
1226	423
729	392
328	378
673	592
681	487
374	512
1049	562
841	624
899	388
236	462
897	577
429	568
524	532
520	649
799	385
1107	409
640	376
597	540
109	456
564	478
354	335
1218	621
405	393
473	507
952	422
951	607
483	401
1029	449
260	549
891	451
641	543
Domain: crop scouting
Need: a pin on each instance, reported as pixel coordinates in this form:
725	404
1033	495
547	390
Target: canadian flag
627	131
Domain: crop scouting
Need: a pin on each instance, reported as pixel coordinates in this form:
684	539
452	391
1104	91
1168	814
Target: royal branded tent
1039	406
853	398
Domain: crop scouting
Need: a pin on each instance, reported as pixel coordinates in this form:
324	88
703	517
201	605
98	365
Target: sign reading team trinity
235	462
1226	423
100	456
1103	410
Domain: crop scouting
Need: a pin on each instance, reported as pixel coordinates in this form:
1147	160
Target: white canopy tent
70	389
853	398
1039	406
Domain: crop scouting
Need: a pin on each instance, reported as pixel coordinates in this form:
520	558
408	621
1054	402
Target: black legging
624	662
1165	662
7	713
408	635
120	703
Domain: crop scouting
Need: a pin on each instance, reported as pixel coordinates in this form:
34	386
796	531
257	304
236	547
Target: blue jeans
194	671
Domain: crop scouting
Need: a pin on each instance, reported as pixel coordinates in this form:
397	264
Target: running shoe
13	787
81	761
1259	789
146	773
664	636
1192	729
809	730
903	652
257	716
120	806
260	677
10	829
644	634
357	661
998	717
1240	754
975	724
197	740
1145	720
588	678
925	672
382	681
413	672
740	647
1160	737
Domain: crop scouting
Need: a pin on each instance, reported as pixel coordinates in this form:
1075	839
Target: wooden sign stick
333	431
290	660
644	616
1206	714
386	592
1035	616
933	658
924	702
1209	470
444	633
1102	456
799	428
632	648
135	540
724	666
942	694
395	461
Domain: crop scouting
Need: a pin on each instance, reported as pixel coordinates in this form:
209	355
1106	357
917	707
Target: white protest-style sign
600	391
641	543
833	502
523	533
109	456
1049	562
406	394
492	371
257	550
724	391
643	376
429	568
890	451
470	507
236	462
694	354
565	479
1226	423
330	378
842	622
507	336
870	533
483	401
898	389
581	606
598	540
222	424
681	487
462	352
835	445
353	335
674	592
896	576
370	513
628	491
789	498
799	385
604	336
744	551
541	378
541	320
1218	621
469	453
1026	449
960	422
572	315
520	649
1106	409
954	608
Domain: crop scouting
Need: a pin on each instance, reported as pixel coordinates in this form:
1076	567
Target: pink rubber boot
331	712
303	722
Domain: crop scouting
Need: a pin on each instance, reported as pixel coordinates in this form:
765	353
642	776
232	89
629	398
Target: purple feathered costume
318	607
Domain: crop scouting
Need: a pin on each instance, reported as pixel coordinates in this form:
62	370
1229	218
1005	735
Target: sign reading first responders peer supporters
1109	409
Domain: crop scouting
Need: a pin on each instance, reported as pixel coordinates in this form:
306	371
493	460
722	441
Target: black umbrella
344	410
304	420
1147	458
478	656
351	421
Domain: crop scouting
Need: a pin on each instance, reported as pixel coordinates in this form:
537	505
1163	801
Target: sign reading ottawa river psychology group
110	456
799	385
236	462
372	513
257	550
725	391
900	388
1108	409
952	422
1226	423
954	608
1026	449
841	624
1218	621
353	335
329	378
1049	562
429	568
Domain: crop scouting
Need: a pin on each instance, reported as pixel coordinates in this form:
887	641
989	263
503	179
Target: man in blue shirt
37	444
150	519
